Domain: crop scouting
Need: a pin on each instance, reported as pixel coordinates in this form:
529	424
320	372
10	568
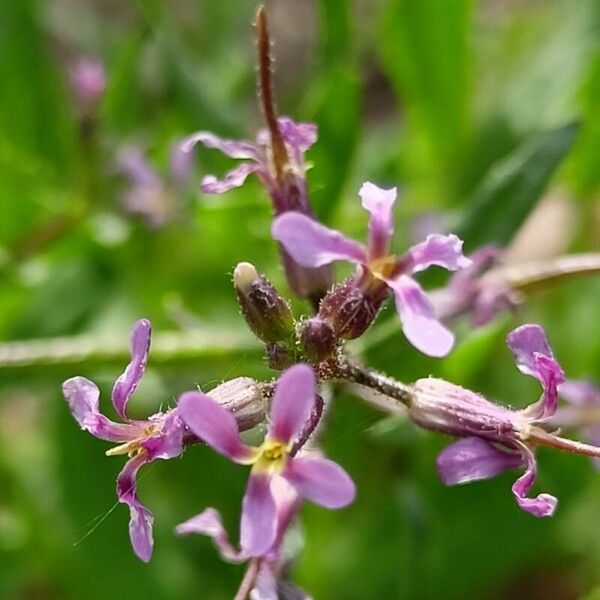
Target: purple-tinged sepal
317	339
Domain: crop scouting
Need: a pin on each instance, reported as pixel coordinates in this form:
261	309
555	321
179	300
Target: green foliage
469	107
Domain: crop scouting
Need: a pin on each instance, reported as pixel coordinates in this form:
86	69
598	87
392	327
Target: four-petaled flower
314	478
160	436
497	438
282	170
311	244
270	582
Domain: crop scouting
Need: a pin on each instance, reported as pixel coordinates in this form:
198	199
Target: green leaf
513	186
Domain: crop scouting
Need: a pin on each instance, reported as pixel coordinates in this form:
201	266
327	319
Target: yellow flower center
133	447
383	267
271	457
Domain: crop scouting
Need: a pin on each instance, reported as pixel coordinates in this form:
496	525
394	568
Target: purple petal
259	517
213	424
313	245
379	203
83	398
580	392
127	383
526	342
300	136
419	323
140	523
551	376
180	164
542	505
132	163
472	459
292	403
441	250
209	523
169	441
287	504
321	481
265	584
233	179
232	148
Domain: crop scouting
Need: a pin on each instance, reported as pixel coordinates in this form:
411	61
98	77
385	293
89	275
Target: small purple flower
314	478
313	245
272	563
88	80
476	290
584	413
286	184
150	195
497	438
160	436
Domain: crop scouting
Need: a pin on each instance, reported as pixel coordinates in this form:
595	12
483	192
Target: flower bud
350	308
265	311
317	339
243	398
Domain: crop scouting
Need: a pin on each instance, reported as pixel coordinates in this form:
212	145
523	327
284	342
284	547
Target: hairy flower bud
243	398
350	308
265	311
317	339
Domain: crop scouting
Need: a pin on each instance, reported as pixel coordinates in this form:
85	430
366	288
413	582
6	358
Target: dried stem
265	90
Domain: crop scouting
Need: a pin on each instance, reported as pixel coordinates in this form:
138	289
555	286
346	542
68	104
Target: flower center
272	456
383	267
134	447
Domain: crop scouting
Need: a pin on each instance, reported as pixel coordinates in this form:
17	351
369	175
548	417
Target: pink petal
321	481
472	459
419	323
441	250
233	179
265	584
543	505
83	398
292	403
169	443
213	424
534	357
180	164
379	203
209	523
259	517
580	392
300	136
232	148
525	342
132	163
311	244
141	520
128	382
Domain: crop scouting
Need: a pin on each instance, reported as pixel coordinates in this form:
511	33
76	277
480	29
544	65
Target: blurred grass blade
512	188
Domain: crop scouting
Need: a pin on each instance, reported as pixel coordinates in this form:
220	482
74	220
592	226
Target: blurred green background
471	108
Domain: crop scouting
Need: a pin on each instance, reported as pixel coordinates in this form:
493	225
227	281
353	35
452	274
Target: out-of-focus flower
497	438
149	195
313	477
312	244
584	413
285	183
88	81
160	436
476	290
272	563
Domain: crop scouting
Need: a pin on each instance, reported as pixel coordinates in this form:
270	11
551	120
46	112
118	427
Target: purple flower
497	438
88	80
314	478
285	183
313	245
273	562
584	412
476	290
150	195
160	436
